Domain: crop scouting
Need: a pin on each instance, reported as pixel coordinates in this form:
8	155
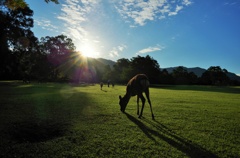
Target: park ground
64	120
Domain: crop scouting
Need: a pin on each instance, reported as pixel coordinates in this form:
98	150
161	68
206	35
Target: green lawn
63	120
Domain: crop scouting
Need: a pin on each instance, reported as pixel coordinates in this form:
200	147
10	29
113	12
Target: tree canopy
215	76
16	38
16	4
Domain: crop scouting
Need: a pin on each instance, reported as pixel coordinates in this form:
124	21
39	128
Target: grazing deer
136	86
101	85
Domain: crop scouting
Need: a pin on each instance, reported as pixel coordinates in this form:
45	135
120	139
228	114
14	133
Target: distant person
101	85
108	83
112	84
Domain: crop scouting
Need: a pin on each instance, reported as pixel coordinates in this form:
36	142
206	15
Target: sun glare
88	50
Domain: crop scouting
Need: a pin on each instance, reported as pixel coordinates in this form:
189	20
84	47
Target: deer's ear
120	97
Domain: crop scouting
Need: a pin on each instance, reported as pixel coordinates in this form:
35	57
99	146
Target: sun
88	50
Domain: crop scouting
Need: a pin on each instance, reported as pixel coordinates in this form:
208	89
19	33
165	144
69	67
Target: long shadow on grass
40	119
165	134
34	131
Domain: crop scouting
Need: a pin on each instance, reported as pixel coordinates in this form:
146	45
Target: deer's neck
127	96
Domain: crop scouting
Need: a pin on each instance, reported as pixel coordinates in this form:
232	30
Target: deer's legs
137	105
143	102
149	101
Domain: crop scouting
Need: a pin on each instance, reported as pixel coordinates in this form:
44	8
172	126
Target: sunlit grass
62	120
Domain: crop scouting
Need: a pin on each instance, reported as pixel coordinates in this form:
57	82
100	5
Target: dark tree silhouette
215	76
146	65
180	75
120	71
16	4
165	77
58	50
16	39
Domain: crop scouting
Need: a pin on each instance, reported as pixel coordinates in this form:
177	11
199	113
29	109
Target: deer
136	86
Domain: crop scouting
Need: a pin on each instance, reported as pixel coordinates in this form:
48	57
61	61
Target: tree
19	49
192	78
125	69
15	38
215	76
165	77
146	65
15	26
180	75
107	73
59	50
55	1
41	70
16	4
120	70
121	64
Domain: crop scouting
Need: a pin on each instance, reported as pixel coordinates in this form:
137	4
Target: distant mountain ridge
106	61
199	71
196	70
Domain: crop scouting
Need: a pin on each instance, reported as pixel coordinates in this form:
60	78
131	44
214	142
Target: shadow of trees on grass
162	132
35	131
38	113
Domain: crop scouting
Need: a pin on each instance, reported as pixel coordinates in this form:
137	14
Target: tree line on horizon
25	57
124	69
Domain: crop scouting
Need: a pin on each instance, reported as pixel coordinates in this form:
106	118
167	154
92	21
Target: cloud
141	11
232	3
45	24
75	14
117	50
186	2
178	8
151	49
96	41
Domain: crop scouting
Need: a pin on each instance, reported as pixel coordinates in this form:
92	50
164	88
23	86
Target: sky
190	33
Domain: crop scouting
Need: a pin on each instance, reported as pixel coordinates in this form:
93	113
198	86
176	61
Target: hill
199	71
233	76
106	61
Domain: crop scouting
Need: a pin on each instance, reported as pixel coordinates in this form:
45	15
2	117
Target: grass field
62	120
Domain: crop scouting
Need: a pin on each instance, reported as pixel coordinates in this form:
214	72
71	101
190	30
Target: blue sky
191	33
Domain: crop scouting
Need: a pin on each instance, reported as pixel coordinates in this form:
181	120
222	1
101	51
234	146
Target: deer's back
138	84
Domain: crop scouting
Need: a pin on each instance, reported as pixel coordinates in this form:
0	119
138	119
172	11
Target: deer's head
123	103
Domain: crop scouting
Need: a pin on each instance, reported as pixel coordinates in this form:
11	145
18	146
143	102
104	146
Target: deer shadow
103	90
162	132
